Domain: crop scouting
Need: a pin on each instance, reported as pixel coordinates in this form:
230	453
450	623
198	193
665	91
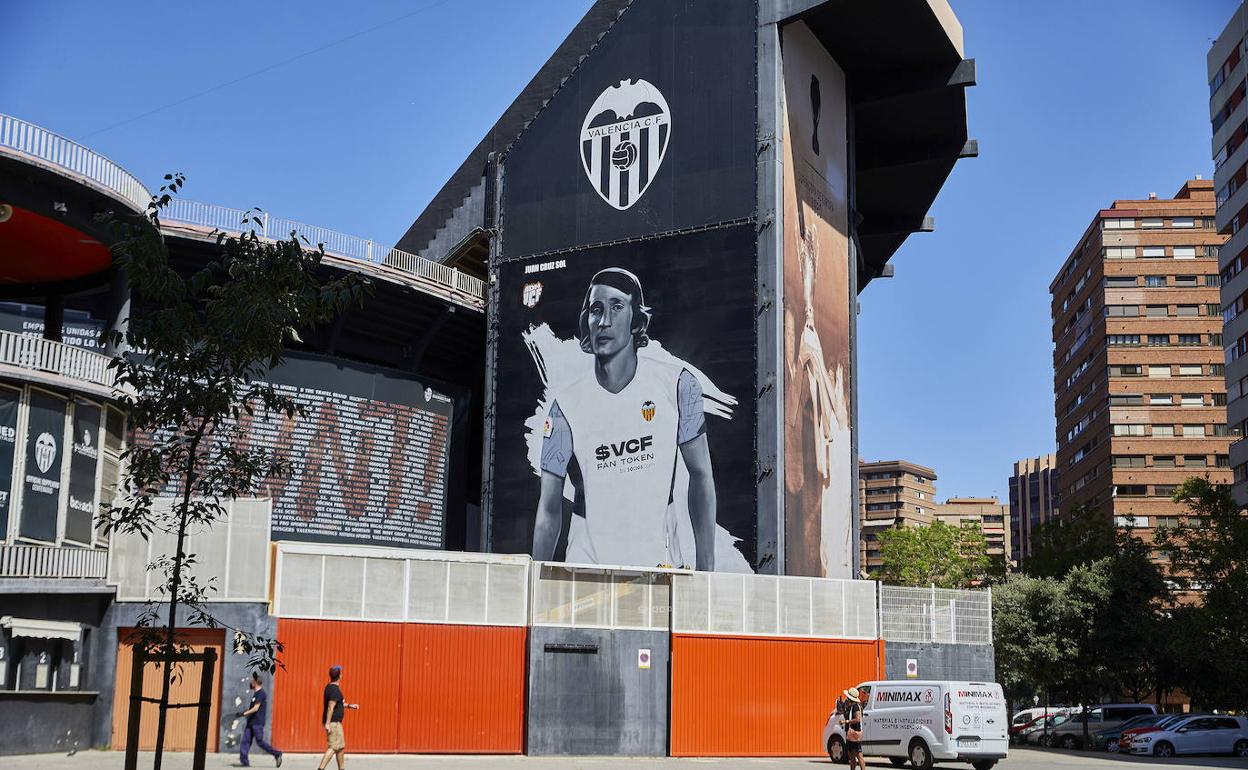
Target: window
1151	222
1187	311
1123	224
1190	370
1128	430
1219	399
1193	399
1120	282
1215	339
1126	399
1164	490
1190	340
1119	252
1183	222
1122	339
1217	370
1156	311
1158	340
1155	281
1128	461
1163	430
1116	311
1222	461
1195	461
1163	461
1193	431
1132	490
1158	372
1127	370
1166	522
1162	400
1185	280
1212	280
1185	252
1213	309
1153	252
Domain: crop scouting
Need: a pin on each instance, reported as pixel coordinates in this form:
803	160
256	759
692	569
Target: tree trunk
175	584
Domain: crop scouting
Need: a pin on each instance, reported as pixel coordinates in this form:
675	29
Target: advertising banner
624	408
819	536
41	482
9	402
654	131
84	471
369	458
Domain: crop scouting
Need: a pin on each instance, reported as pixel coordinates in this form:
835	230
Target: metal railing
56	150
44	355
767	605
935	615
338	244
41	561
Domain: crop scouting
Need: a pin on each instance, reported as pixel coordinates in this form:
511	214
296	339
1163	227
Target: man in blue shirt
256	713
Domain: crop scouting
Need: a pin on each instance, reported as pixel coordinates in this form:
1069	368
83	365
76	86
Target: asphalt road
1020	759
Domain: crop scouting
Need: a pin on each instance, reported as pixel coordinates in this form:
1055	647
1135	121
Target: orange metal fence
421	687
761	696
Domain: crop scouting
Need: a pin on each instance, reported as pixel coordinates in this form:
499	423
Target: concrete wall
33	723
596	699
252	618
965	662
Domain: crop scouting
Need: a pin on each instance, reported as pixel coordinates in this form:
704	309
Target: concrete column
54	317
117	312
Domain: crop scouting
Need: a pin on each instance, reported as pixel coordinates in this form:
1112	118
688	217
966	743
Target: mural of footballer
614	433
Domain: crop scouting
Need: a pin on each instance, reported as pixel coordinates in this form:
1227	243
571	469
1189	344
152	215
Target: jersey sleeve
692	421
556	442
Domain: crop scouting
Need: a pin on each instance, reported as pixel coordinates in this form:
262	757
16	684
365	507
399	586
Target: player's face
610	320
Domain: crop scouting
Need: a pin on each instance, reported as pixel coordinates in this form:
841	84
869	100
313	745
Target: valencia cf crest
623	141
647	411
45	451
532	294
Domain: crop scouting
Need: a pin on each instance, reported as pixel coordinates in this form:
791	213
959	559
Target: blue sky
352	116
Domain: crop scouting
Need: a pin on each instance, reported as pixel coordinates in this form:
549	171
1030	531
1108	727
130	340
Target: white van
928	721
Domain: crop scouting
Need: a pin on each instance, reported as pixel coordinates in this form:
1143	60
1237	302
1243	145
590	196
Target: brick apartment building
892	493
1033	489
1140	398
987	514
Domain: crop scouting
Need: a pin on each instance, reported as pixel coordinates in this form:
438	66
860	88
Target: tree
1208	555
949	557
1082	536
200	348
1026	634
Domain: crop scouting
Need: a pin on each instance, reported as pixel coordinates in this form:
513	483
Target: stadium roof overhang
907	79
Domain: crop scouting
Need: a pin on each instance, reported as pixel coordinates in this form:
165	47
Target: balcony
35	359
42	561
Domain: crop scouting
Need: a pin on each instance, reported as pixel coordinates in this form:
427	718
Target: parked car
1201	734
926	722
1029	717
1040	733
1069	734
1109	739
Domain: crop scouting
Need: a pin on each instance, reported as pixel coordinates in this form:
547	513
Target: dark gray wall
252	618
958	662
597	701
33	723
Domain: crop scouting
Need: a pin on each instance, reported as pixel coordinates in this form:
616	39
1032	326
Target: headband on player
622	280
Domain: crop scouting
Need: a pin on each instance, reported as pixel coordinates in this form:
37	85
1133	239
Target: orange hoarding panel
184	688
463	689
432	688
752	696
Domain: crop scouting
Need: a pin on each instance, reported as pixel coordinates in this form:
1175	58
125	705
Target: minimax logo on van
974	694
901	697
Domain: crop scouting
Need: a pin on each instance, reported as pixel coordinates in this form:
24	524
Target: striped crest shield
623	141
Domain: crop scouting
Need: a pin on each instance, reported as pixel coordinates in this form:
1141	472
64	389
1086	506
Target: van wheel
1163	749
920	755
1113	746
984	764
1046	741
836	750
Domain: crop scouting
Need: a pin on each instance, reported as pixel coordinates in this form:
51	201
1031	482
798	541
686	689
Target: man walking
256	713
332	708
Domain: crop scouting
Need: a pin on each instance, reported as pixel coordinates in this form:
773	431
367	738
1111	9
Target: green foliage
949	557
1026	632
200	347
1208	554
1080	537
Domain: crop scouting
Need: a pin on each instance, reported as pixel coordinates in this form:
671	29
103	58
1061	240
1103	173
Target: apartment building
1033	489
987	514
891	493
1140	398
1229	121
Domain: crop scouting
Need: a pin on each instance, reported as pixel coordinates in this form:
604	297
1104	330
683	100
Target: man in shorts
333	705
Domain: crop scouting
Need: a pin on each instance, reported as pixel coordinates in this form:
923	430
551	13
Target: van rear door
979	718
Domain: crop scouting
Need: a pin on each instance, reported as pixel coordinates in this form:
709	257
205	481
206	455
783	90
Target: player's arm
696	452
556	454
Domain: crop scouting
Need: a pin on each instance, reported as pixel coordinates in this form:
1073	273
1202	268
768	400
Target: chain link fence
935	615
